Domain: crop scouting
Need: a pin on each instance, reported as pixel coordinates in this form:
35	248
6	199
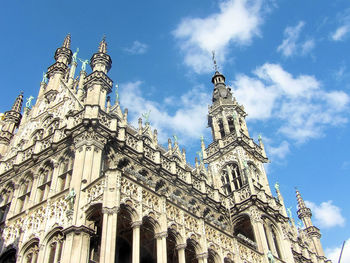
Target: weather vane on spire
214	61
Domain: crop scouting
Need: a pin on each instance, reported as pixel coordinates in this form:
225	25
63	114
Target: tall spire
17	105
301	203
103	46
304	214
66	42
12	120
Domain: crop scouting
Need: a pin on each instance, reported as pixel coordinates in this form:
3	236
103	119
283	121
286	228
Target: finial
66	42
103	45
259	137
214	61
202	139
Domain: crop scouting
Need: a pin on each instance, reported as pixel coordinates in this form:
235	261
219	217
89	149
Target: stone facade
79	184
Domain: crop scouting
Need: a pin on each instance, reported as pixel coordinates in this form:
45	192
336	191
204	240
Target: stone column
109	234
136	241
77	244
161	247
202	258
181	253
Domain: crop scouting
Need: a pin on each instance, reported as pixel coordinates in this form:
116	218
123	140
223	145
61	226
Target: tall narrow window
275	242
221	129
231	178
231	124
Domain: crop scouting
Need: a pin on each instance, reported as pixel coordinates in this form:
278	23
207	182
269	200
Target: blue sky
288	62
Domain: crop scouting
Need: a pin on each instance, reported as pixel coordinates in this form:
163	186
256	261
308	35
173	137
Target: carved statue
44	80
116	93
75	54
270	257
277	187
259	137
175	138
200	155
71	198
146	116
85	62
29	101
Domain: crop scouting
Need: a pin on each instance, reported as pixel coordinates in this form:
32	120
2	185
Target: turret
11	121
305	214
63	57
98	84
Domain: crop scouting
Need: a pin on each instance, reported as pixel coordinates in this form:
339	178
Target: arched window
275	242
24	192
272	239
221	129
31	253
54	248
231	178
65	171
7	195
243	230
45	178
231	124
254	172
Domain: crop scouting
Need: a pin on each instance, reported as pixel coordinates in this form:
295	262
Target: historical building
79	184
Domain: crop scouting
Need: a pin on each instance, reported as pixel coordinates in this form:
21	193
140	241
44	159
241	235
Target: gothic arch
231	177
243	230
213	256
254	171
29	251
53	245
9	255
273	234
37	135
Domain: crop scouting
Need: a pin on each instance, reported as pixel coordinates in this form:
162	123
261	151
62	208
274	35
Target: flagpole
341	251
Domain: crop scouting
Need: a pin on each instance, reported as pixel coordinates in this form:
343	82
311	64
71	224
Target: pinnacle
17	106
66	42
103	46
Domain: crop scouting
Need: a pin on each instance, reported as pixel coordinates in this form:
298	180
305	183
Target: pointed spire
17	105
103	46
66	42
301	203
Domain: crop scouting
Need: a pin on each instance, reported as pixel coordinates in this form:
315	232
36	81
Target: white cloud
340	33
290	45
334	253
237	22
188	121
280	151
326	214
299	102
307	46
137	48
343	29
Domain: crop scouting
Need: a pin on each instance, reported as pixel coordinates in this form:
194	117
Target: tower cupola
101	61
12	120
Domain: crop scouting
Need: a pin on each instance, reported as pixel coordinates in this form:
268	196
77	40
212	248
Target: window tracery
231	178
24	192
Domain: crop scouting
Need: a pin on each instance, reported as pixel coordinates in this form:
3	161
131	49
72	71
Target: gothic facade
78	183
